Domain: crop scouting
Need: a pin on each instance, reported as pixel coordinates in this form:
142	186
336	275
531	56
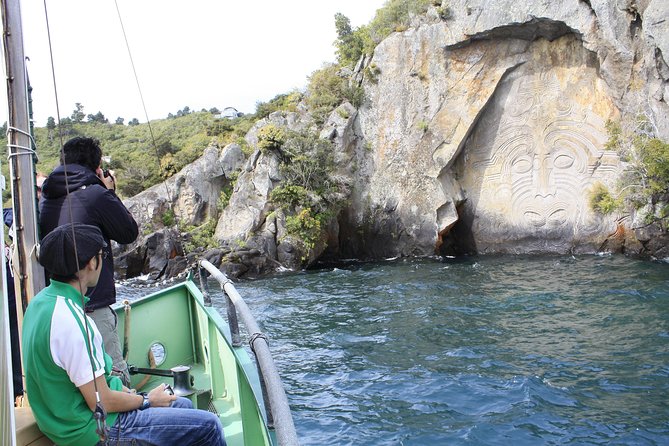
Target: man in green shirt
66	367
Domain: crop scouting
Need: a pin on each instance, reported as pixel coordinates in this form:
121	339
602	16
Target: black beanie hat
56	252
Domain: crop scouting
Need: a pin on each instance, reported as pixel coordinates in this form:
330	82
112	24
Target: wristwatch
145	404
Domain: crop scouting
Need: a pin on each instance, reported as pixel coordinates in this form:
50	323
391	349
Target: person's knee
182	403
215	428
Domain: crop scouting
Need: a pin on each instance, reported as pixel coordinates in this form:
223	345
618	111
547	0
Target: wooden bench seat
27	432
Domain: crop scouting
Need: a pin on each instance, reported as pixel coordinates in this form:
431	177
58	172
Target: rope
26	150
254	337
14	146
146	116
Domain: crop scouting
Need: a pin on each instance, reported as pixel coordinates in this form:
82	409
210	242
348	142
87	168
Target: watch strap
145	403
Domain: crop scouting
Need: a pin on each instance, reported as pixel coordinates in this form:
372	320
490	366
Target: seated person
65	364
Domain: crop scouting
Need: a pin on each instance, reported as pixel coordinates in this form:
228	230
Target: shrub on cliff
602	201
395	15
309	193
271	137
281	102
327	89
646	177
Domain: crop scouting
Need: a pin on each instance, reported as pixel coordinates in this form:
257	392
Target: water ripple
487	351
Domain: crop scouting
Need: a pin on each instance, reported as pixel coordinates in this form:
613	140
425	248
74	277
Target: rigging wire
146	116
100	414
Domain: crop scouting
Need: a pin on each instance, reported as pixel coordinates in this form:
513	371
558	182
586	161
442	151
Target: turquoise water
484	351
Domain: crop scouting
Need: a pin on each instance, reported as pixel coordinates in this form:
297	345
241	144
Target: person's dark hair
73	277
82	150
64	279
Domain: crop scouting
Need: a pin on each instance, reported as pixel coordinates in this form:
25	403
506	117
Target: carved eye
557	218
563	161
522	164
535	218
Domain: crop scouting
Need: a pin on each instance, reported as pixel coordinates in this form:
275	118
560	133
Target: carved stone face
534	158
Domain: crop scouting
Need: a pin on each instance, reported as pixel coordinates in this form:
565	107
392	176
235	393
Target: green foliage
602	201
281	102
139	163
350	44
200	236
226	192
646	178
372	72
167	166
98	117
614	131
444	12
309	163
395	15
423	126
168	217
290	196
647	156
310	193
78	113
271	137
327	89
224	198
305	226
654	155
355	95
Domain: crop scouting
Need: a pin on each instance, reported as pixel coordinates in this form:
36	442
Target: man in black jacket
80	188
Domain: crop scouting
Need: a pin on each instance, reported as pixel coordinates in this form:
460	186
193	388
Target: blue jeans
179	424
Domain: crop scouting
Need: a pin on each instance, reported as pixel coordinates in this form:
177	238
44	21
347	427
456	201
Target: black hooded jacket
93	204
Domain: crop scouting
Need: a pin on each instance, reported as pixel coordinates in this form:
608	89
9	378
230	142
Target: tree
98	117
78	113
133	121
326	90
50	127
349	43
184	112
214	111
119	121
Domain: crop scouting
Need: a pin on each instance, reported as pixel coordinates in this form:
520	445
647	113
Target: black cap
56	252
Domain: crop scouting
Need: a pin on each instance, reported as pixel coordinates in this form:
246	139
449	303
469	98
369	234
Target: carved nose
543	178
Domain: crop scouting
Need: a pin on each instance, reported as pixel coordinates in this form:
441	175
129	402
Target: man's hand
109	180
159	398
122	401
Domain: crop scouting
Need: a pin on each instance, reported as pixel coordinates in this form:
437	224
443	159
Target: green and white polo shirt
57	360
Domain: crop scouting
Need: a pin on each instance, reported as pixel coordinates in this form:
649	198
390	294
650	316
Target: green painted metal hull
192	334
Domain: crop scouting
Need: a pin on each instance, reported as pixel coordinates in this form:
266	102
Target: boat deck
27	432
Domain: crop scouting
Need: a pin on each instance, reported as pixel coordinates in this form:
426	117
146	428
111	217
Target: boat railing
276	403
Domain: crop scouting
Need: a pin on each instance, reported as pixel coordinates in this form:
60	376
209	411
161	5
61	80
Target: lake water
480	351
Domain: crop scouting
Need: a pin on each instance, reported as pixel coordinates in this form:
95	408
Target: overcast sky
196	53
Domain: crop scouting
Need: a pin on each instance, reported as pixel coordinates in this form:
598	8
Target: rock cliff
484	132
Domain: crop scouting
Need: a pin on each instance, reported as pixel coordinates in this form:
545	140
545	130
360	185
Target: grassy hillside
139	159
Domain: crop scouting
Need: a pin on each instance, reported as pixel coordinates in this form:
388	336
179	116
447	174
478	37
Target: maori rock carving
535	156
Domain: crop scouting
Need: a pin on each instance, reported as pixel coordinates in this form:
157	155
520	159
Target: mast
28	273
